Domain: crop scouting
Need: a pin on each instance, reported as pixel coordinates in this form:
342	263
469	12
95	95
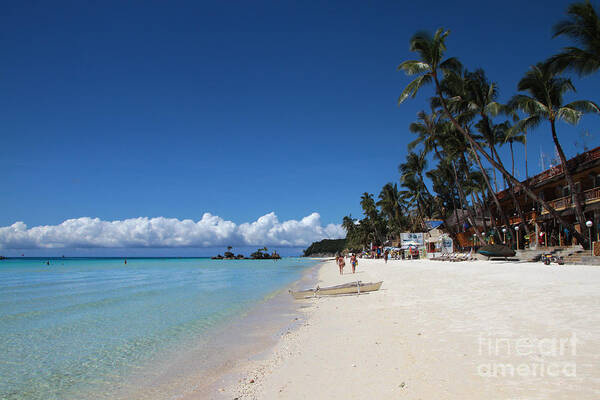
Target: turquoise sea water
83	324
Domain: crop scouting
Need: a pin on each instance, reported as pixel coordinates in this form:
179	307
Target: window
597	183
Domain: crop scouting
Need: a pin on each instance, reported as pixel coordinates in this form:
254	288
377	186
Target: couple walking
341	263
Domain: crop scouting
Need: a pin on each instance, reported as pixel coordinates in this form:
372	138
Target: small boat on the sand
347	288
496	250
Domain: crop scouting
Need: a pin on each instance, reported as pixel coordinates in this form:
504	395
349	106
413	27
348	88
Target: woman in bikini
341	264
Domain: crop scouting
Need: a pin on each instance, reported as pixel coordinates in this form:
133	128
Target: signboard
408	237
447	246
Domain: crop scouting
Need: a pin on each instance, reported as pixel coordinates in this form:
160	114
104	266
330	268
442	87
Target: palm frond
529	123
528	105
451	64
584	106
494	108
568	115
413	67
413	87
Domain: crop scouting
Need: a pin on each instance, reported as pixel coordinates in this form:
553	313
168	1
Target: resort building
552	187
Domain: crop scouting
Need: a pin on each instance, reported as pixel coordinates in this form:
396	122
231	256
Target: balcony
514	220
586	157
587	197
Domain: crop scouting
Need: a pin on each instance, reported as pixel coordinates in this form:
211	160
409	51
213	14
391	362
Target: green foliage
582	26
466	125
325	246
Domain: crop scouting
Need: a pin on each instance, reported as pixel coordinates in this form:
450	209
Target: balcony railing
587	197
558	170
528	217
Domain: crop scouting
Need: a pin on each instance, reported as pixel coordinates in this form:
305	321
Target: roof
433	223
579	162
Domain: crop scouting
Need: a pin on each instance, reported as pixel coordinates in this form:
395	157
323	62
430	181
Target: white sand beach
441	330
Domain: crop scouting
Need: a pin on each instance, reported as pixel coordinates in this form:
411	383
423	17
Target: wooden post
560	239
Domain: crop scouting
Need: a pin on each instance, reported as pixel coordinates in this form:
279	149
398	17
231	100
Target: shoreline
202	367
433	331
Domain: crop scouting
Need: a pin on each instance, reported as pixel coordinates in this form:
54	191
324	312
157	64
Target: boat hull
496	250
347	288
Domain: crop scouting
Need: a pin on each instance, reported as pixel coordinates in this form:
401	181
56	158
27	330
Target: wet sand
201	368
472	330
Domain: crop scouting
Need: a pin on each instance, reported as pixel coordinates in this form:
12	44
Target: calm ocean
82	325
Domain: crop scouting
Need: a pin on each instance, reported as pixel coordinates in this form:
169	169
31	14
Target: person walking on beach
354	262
341	264
385	256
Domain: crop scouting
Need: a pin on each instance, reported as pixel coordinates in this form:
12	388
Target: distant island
260	254
325	248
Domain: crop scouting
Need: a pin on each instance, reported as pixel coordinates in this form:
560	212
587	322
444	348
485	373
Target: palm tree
454	149
518	134
511	136
428	127
389	203
373	219
545	102
413	168
356	233
431	51
447	194
472	95
416	202
348	224
583	27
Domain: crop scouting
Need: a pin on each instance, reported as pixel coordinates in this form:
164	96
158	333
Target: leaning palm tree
582	26
455	147
544	101
429	68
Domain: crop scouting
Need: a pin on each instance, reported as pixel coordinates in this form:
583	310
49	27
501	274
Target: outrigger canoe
347	288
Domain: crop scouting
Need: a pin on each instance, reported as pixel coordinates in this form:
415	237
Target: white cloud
210	230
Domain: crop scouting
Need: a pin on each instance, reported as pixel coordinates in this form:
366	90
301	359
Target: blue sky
121	110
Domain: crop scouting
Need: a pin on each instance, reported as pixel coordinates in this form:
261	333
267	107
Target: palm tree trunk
468	174
495	182
475	200
465	205
455	210
483	219
493	219
574	195
526	170
570	227
490	190
423	182
511	191
512	157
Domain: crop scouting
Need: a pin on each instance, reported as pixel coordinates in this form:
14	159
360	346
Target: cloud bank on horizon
160	232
